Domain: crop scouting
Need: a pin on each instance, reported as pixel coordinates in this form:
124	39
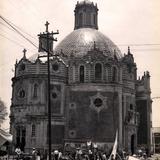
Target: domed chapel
94	93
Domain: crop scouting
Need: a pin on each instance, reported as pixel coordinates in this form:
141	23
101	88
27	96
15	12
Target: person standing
38	157
18	152
34	154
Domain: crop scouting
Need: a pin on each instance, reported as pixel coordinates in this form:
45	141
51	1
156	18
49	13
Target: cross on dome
129	51
24	53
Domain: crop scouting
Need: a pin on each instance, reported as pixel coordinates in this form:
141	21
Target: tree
3	111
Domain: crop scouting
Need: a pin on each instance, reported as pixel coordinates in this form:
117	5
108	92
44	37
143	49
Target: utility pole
47	40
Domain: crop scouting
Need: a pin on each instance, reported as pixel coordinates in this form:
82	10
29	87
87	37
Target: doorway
132	144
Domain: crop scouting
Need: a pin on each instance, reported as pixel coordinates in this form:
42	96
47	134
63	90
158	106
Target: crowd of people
81	154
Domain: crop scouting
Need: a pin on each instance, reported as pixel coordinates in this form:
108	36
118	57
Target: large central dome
80	41
86	35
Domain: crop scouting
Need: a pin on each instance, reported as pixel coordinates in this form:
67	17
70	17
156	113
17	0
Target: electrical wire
6	26
16	28
143	44
145	49
29	9
35	11
4	31
11	40
7	33
18	31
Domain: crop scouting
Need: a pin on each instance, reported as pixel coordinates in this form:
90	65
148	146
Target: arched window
33	133
98	71
106	74
94	19
80	19
88	18
22	93
20	137
74	73
35	91
81	74
114	74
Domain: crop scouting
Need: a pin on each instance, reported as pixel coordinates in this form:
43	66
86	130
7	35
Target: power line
17	43
143	44
13	41
7	21
3	24
14	28
30	9
18	31
8	33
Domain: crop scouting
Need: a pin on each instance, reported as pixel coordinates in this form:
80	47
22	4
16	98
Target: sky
126	22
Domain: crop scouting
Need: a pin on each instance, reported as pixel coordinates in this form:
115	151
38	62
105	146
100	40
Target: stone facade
93	95
144	108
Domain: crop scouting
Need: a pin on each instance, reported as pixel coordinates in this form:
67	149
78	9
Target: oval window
22	67
55	67
22	93
54	95
72	133
98	102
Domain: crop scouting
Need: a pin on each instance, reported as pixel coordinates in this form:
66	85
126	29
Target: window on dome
80	19
88	18
98	71
94	19
114	74
81	74
74	73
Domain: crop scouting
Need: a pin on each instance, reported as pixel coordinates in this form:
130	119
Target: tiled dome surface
82	40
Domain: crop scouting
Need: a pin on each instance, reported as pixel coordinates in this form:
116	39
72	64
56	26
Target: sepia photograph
79	80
